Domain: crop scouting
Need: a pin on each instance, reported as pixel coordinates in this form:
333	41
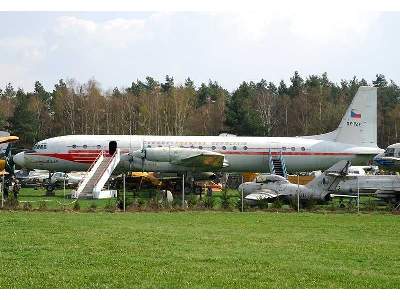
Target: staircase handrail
283	162
105	169
271	164
92	168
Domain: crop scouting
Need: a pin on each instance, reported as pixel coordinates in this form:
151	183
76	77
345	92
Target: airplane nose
19	159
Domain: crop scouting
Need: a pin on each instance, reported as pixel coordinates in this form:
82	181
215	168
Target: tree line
305	106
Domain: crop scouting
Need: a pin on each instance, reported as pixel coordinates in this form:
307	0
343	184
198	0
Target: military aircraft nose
19	159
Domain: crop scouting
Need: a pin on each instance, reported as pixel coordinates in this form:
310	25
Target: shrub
192	201
42	205
308	204
77	206
209	202
277	204
238	205
225	200
11	202
177	202
110	206
153	203
293	204
262	203
27	206
370	204
92	207
141	202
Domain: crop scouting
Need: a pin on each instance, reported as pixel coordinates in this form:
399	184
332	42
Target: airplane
6	163
355	139
336	181
34	177
273	187
390	159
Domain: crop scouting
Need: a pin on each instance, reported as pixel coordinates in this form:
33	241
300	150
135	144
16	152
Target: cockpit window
270	178
389	152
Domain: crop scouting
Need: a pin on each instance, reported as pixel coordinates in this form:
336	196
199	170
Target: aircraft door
112	147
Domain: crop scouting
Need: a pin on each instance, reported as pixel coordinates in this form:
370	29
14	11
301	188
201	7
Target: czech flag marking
355	115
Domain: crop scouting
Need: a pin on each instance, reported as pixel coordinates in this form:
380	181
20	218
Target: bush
110	206
27	206
209	202
262	203
141	202
351	206
192	201
370	205
238	205
42	205
11	202
293	204
77	206
225	200
277	204
308	204
153	203
92	207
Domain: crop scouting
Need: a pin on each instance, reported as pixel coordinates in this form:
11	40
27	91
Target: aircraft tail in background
359	123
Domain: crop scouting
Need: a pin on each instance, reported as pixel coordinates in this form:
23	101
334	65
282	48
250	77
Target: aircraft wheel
50	187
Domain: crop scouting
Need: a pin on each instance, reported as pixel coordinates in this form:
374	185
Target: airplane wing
8	139
262	195
206	160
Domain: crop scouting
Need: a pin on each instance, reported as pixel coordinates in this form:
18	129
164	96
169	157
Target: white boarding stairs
99	172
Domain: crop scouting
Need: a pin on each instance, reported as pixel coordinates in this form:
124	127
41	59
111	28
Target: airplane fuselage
78	152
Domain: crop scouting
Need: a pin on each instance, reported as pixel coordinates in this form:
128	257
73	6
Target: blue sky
118	48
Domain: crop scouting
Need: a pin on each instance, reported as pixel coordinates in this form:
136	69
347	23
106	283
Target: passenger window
98	146
293	148
223	148
84	146
200	147
234	148
213	147
303	149
245	148
74	146
283	148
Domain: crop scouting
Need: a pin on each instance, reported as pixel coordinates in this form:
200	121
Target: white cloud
330	25
25	49
114	33
320	26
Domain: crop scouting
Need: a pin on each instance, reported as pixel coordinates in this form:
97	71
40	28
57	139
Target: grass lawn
198	250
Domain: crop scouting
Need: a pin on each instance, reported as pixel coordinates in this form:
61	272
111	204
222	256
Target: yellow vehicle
6	155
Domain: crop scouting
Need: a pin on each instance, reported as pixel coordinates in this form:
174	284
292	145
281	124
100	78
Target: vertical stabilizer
359	124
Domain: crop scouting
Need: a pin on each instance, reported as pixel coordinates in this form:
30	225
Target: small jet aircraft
277	187
355	139
390	159
336	181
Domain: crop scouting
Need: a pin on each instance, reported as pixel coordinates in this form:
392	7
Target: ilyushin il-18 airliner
355	140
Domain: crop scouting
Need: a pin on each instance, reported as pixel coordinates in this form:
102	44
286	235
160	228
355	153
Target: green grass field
198	250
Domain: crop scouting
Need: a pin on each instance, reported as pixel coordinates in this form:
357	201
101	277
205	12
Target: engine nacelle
169	154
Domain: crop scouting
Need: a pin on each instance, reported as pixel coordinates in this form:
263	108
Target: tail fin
325	180
359	123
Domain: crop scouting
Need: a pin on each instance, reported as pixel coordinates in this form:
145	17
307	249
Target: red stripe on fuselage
84	157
